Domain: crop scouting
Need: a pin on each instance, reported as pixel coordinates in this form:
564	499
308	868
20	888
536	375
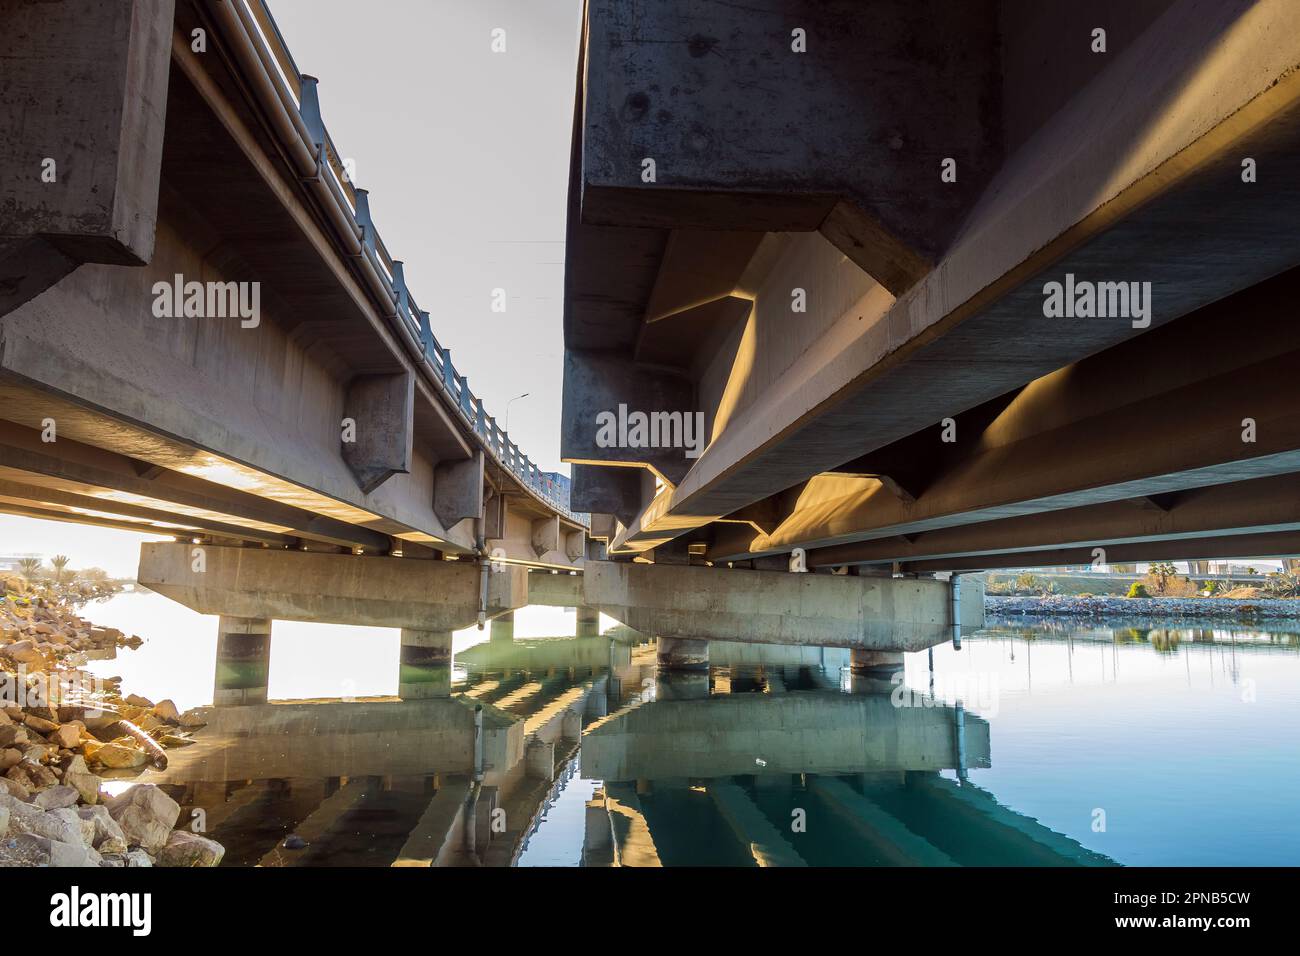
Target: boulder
120	757
67	736
138	858
135	700
189	849
86	784
13	735
15	789
29	849
40	724
166	710
24	652
146	815
56	798
54	825
106	836
9	757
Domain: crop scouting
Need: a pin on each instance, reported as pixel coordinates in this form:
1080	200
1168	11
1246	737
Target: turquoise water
1051	744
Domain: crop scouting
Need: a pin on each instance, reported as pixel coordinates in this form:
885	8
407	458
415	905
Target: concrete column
588	622
425	669
683	654
503	628
243	661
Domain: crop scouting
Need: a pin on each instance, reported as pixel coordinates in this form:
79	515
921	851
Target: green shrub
1137	590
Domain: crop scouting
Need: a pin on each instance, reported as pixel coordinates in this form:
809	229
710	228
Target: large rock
40	724
9	757
4	822
189	849
146	815
24	652
121	757
107	837
30	849
15	789
13	735
61	825
67	736
56	798
166	710
86	785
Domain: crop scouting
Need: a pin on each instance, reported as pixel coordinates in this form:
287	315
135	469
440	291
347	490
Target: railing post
399	286
428	345
309	109
363	219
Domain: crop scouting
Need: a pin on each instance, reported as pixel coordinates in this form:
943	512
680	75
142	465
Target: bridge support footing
425	670
243	661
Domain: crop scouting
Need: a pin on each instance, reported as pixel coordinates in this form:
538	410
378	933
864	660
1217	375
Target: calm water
1071	745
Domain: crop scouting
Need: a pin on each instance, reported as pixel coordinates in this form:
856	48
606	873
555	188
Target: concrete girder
1077	437
86	470
1275	544
1259	506
773	607
423	595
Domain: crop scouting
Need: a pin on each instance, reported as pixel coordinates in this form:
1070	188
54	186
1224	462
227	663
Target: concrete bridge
857	291
841	235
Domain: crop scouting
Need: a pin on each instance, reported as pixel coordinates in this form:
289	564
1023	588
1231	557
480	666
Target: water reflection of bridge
709	768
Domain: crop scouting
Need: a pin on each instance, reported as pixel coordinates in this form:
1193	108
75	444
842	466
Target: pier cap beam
328	588
777	607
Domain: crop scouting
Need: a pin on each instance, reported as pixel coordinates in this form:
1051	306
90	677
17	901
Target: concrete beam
773	607
1260	506
554	590
546	535
617	491
1077	437
81	168
597	384
330	588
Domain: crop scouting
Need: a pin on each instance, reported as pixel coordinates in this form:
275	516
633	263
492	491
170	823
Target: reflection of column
243	661
503	628
425	669
681	685
873	672
588	622
683	654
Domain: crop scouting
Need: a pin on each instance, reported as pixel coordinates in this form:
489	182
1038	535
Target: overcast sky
465	153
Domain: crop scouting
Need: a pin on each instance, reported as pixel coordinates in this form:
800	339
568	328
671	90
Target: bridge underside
867	341
282	403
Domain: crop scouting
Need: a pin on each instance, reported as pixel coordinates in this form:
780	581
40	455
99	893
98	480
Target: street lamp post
508	404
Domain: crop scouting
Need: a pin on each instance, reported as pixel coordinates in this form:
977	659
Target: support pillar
683	654
425	669
588	622
503	628
243	661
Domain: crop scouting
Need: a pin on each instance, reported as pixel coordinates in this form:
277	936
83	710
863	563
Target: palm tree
60	561
30	567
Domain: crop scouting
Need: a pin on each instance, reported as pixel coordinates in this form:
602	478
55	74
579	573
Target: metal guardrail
298	92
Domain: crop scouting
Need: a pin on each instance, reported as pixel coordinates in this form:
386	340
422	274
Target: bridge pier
243	661
425	668
588	621
686	606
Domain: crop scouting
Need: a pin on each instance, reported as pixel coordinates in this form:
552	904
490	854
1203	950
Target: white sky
465	153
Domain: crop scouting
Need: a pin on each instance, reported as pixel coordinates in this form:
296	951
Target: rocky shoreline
62	731
1210	609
